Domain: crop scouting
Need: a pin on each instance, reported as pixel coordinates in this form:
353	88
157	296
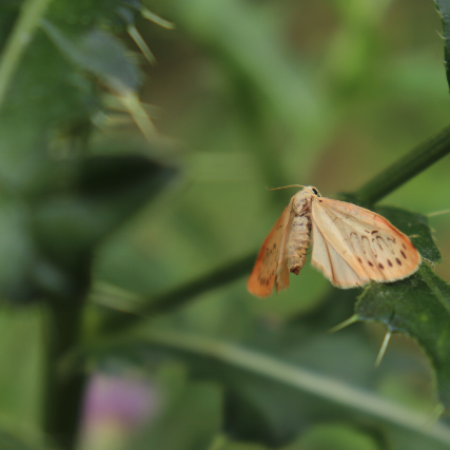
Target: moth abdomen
298	243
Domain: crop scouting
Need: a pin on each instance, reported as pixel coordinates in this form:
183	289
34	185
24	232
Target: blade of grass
291	375
31	13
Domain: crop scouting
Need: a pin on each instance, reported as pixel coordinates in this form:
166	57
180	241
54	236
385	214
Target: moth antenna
438	410
343	324
383	348
438	213
285	187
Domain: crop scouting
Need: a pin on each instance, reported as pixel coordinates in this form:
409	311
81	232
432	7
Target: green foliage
418	307
103	268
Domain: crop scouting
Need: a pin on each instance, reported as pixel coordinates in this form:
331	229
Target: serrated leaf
420	308
45	122
100	54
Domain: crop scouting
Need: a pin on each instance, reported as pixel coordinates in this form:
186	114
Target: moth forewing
282	272
266	270
375	249
332	265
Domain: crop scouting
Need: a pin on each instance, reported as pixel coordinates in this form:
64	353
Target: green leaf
271	396
99	194
9	441
188	419
337	437
100	54
443	7
420	308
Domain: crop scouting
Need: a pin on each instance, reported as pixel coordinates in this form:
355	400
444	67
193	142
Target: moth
351	245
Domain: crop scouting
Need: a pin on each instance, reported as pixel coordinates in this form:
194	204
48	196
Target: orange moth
351	245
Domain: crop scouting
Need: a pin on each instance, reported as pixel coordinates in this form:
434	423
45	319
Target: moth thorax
302	203
298	243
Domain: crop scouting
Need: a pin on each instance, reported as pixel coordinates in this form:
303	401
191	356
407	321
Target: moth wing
331	264
282	272
365	241
270	265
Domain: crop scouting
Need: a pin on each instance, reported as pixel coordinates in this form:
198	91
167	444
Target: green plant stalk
381	185
408	166
63	395
118	321
291	375
31	13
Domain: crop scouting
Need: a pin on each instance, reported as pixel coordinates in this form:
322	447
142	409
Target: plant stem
383	184
64	395
118	321
294	376
21	36
409	165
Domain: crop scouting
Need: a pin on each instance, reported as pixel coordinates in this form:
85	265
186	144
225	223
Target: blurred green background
250	94
263	94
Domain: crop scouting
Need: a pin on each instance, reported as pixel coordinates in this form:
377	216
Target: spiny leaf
99	53
420	308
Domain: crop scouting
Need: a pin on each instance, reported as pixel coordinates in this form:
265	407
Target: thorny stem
118	321
64	394
374	190
405	168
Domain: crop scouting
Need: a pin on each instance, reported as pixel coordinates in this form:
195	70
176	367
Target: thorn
131	103
438	213
383	348
147	14
343	324
435	415
139	41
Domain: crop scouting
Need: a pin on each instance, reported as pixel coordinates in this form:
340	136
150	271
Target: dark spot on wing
404	256
398	261
381	266
389	262
359	259
370	264
374	231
